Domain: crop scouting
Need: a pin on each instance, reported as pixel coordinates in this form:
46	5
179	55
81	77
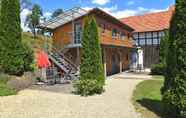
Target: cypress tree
11	48
164	48
95	47
91	68
174	90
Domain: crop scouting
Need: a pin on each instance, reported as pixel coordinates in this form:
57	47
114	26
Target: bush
4	89
3	78
88	87
28	58
158	69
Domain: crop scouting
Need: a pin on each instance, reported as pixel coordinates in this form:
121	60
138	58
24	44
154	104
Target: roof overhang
63	18
75	13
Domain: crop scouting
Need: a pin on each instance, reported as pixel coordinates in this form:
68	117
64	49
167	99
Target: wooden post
105	62
120	60
78	56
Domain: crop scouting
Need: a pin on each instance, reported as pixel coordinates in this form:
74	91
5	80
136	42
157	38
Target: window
77	33
155	41
142	42
114	33
142	35
103	28
122	36
149	41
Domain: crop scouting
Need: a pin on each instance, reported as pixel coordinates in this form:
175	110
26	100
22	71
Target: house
115	40
148	31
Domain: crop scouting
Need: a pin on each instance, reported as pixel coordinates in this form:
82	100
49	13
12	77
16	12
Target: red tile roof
151	21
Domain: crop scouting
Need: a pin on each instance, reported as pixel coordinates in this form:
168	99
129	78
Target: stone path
115	102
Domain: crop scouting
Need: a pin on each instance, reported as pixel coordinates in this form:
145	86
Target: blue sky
113	6
117	8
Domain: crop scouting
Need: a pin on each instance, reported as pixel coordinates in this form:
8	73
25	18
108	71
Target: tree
174	90
91	69
164	48
33	19
0	10
13	54
57	12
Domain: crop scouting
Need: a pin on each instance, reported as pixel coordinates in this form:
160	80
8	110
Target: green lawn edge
147	97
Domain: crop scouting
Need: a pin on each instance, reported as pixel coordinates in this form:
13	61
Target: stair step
62	63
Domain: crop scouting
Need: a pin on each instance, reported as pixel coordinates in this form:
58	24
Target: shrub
88	87
4	89
158	69
28	58
3	78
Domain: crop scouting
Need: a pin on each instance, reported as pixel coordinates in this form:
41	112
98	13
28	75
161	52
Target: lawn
4	89
147	97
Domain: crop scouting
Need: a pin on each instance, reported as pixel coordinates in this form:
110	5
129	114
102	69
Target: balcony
75	39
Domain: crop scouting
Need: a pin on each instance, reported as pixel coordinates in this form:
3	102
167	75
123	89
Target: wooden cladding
63	35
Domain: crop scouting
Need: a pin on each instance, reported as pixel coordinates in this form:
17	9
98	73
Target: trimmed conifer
12	53
95	47
91	68
174	90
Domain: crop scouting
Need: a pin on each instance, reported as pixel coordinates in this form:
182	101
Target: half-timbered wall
149	41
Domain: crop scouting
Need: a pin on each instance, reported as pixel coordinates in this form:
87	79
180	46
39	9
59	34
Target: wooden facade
114	38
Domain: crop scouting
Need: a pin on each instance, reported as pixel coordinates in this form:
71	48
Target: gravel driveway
115	102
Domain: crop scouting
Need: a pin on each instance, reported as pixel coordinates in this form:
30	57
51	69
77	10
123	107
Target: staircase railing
65	58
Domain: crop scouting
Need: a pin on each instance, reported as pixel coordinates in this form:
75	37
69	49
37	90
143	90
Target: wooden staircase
70	70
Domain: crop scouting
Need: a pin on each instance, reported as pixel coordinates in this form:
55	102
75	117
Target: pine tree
12	52
174	90
91	68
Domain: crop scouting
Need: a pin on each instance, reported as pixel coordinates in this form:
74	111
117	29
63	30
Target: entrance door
115	64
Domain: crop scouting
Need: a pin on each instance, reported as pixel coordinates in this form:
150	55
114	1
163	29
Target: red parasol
42	59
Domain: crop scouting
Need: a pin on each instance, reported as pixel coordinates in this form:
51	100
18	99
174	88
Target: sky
117	8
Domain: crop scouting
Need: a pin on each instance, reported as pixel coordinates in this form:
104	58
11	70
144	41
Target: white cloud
24	14
47	14
100	2
124	13
132	12
130	3
114	11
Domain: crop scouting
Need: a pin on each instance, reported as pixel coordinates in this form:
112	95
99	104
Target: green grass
147	97
38	43
4	89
